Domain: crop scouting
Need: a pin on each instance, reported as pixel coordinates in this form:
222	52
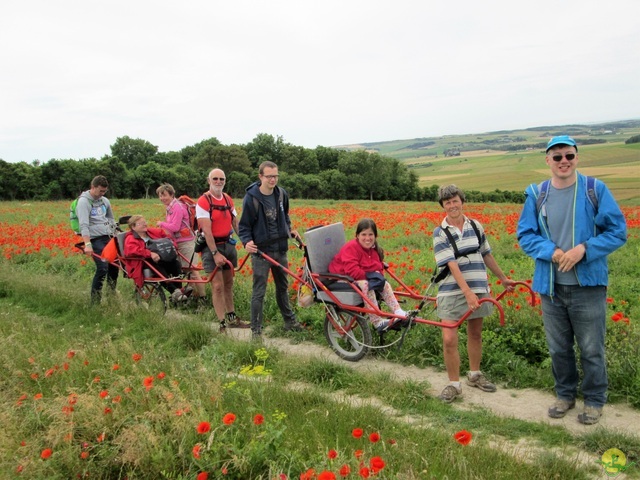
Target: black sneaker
293	326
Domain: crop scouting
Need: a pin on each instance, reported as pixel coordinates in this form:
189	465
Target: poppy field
113	392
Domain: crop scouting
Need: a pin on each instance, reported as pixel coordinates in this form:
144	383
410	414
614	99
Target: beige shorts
453	307
186	249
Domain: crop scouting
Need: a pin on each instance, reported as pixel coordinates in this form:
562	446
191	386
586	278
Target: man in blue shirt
569	231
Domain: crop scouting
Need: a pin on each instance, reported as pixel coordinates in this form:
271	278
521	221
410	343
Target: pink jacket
356	261
177	221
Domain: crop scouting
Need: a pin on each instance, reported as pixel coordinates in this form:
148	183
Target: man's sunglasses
558	157
217	179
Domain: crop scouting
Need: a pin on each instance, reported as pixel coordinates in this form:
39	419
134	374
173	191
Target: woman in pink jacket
176	224
363	255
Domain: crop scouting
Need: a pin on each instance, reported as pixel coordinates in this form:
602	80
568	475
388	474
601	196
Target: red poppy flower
136	357
203	427
46	453
202	476
71	354
84	455
196	450
358	453
148	383
116	399
364	472
49	372
161	375
327	476
37	396
107	411
376	464
332	454
115	367
617	316
357	433
229	418
101	437
463	437
258	419
374	437
345	470
104	394
65	366
308	475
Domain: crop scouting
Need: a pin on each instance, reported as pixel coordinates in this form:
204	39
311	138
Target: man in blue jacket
568	226
265	225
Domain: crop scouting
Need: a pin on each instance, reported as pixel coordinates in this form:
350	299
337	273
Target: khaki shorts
186	249
226	249
453	307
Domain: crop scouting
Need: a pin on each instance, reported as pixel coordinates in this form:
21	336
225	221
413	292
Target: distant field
616	164
482	165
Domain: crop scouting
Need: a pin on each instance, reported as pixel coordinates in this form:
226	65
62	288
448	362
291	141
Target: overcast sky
76	75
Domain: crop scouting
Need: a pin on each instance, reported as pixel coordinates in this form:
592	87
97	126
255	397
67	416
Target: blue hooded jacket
602	232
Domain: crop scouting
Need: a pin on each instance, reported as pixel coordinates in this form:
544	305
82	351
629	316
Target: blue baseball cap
561	140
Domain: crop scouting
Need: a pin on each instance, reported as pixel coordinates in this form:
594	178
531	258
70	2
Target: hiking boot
294	326
237	323
590	415
177	296
223	327
449	394
480	381
187	291
560	408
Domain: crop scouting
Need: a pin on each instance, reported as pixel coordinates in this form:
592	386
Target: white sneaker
400	313
178	296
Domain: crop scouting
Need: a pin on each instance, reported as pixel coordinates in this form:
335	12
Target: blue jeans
103	269
580	313
261	268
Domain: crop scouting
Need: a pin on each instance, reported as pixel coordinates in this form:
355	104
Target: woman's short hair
448	192
133	220
166	187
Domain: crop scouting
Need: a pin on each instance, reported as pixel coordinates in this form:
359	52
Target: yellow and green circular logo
614	462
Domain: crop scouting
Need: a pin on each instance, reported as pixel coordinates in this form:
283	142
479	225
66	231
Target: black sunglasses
216	179
558	157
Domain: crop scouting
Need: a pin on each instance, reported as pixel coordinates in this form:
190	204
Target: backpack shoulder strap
452	242
474	225
543	189
591	193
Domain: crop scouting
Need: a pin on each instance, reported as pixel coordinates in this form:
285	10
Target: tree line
135	168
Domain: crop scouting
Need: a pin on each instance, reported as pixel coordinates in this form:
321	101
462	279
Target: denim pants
103	268
261	268
580	313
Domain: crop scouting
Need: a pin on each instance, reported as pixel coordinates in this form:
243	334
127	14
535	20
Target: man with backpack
97	226
265	225
569	224
461	246
217	219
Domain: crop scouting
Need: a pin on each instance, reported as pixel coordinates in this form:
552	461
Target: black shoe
293	327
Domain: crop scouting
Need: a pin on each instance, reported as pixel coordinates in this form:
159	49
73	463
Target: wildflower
84	455
345	471
32	360
308	475
196	450
327	476
65	366
332	454
258	419
358	454
202	476
364	472
19	468
463	437
37	396
128	390
161	375
357	433
116	399
101	437
71	354
107	410
229	418
376	464
617	316
148	383
46	453
34	376
23	443
49	372
203	427
115	367
104	394
136	357
374	437
96	379
86	362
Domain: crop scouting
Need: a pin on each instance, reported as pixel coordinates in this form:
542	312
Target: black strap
444	271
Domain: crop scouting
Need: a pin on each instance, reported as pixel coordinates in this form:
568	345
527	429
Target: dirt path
528	404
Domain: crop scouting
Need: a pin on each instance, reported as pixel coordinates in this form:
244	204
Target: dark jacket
254	224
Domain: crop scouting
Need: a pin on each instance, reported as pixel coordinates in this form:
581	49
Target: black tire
353	342
152	295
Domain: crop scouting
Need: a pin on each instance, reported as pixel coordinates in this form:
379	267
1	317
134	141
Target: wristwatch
213	252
